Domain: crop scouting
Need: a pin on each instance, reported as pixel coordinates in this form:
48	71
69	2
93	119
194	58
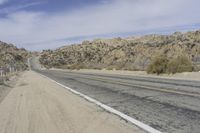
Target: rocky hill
11	56
133	53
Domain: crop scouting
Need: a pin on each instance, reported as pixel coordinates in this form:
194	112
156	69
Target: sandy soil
6	86
37	105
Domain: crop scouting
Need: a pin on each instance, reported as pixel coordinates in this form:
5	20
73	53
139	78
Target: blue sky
44	24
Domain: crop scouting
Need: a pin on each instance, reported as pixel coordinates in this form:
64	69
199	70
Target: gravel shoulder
37	105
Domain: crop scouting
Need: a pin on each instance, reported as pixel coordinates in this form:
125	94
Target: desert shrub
158	65
130	68
161	64
109	68
74	66
180	64
96	68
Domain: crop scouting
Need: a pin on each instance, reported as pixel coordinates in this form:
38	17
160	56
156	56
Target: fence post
1	75
1	71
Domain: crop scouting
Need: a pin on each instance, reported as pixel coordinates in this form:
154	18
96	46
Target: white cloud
36	30
15	8
3	1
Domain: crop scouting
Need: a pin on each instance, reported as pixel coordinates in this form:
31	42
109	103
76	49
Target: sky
49	24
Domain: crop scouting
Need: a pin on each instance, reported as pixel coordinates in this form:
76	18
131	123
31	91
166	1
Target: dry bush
158	65
162	64
77	67
180	64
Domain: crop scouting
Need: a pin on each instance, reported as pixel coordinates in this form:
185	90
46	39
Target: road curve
164	104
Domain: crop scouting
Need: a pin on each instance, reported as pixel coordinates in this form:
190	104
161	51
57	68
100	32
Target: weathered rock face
12	56
133	53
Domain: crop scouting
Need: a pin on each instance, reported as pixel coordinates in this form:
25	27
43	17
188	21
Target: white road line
109	109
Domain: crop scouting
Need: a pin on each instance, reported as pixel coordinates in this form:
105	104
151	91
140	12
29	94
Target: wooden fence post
1	71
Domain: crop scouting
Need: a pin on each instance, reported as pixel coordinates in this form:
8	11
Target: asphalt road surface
171	106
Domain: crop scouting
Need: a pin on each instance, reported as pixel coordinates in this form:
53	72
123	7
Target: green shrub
161	64
180	64
158	65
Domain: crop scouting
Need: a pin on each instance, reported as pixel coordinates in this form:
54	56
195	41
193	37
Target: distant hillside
133	53
12	56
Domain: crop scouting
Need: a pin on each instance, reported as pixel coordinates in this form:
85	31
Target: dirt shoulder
6	87
37	105
4	90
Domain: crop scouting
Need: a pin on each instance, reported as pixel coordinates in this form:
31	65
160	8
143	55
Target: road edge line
107	108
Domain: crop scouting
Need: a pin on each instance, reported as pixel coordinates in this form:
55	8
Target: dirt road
37	105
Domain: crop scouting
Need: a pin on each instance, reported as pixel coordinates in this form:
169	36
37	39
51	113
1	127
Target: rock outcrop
133	53
11	56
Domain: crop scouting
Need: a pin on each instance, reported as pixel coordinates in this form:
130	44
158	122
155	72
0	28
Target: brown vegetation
159	65
180	64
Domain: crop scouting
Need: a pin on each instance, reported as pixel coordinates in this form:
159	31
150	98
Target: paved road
166	105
